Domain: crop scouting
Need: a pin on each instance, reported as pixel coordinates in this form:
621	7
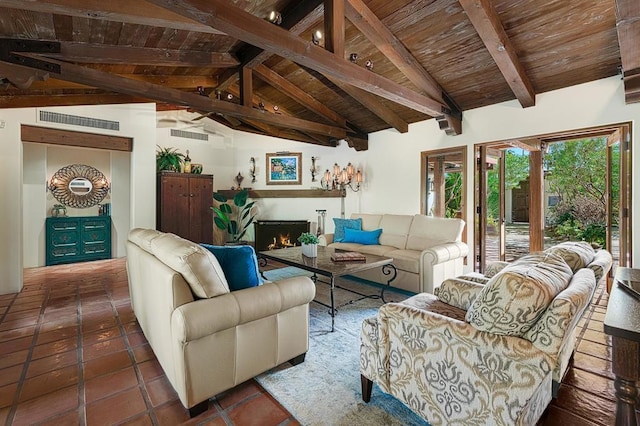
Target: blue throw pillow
342	224
239	264
362	237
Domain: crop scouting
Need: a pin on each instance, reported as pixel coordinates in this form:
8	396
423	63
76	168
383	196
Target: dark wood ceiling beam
277	81
116	83
487	23
297	18
33	101
246	87
173	81
140	13
246	27
334	25
628	27
21	78
125	55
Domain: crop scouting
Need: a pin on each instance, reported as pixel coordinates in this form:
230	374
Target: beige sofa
208	339
425	250
484	350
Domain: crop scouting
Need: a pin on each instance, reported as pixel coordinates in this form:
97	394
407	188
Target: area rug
325	388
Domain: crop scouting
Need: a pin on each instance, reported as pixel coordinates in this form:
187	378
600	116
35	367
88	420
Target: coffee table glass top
323	264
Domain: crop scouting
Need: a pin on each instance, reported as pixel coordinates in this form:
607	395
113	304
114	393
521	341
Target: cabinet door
174	205
200	213
96	237
63	240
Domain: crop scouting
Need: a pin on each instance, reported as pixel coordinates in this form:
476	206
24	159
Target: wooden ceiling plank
334	26
102	54
628	28
487	23
246	27
142	13
368	23
299	95
91	77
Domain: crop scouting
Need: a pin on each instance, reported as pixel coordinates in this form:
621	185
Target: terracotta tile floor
72	353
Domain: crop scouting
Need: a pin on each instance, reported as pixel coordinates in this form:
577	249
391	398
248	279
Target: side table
622	322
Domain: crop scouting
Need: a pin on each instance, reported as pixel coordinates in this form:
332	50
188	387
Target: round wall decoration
79	185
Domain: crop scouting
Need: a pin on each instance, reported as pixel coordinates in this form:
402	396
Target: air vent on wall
76	120
189	135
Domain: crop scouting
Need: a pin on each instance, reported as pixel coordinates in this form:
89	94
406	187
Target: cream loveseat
484	350
206	338
425	250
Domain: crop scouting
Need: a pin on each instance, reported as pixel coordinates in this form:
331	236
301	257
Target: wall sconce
252	169
348	177
316	37
275	17
314	169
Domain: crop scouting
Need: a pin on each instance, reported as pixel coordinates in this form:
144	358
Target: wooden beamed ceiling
427	59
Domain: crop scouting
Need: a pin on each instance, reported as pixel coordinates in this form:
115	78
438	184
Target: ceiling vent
76	120
189	135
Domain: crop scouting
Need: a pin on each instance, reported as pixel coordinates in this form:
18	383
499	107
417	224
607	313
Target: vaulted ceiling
380	63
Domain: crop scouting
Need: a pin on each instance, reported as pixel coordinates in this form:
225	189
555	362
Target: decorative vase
310	250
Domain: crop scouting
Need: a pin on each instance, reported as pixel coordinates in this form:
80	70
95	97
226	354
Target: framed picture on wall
284	168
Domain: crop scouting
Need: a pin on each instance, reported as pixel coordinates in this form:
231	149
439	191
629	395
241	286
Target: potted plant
169	159
309	244
236	218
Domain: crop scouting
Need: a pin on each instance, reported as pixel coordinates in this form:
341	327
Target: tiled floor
72	353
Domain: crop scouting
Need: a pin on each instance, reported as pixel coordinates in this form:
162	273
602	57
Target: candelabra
313	169
341	179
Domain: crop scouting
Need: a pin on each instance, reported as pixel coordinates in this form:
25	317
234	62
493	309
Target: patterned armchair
483	350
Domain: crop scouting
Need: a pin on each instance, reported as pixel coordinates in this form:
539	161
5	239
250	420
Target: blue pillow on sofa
362	237
342	224
239	264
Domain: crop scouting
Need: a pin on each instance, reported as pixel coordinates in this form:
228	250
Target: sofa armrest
444	252
458	292
207	316
325	239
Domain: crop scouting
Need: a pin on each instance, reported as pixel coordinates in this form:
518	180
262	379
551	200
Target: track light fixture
369	65
353	58
316	37
275	17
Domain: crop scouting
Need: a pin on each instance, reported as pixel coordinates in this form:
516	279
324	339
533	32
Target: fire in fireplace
276	234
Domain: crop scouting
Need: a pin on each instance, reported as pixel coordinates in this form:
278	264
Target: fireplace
276	234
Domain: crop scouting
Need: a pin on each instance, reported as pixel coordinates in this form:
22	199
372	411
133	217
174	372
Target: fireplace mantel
286	193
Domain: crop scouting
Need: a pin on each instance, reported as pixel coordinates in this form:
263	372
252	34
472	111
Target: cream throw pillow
577	254
199	267
514	299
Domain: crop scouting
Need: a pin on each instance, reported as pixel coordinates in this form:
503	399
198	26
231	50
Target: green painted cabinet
78	239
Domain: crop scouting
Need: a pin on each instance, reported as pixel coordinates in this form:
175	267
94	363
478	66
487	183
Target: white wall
391	166
25	201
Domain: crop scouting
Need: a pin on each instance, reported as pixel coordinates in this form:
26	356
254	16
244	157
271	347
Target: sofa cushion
427	231
514	299
369	221
362	237
395	229
142	237
239	264
377	250
577	254
341	225
199	267
407	260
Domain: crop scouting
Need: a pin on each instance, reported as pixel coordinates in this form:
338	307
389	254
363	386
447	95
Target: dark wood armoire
184	205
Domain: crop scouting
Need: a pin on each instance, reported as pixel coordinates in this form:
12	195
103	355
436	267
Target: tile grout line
82	400
27	361
125	337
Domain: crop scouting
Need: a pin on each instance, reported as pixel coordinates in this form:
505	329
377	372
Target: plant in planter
309	244
169	159
233	219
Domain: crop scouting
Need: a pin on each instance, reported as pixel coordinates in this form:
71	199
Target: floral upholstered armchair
483	350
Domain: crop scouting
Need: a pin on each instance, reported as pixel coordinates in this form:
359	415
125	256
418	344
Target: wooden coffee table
324	266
